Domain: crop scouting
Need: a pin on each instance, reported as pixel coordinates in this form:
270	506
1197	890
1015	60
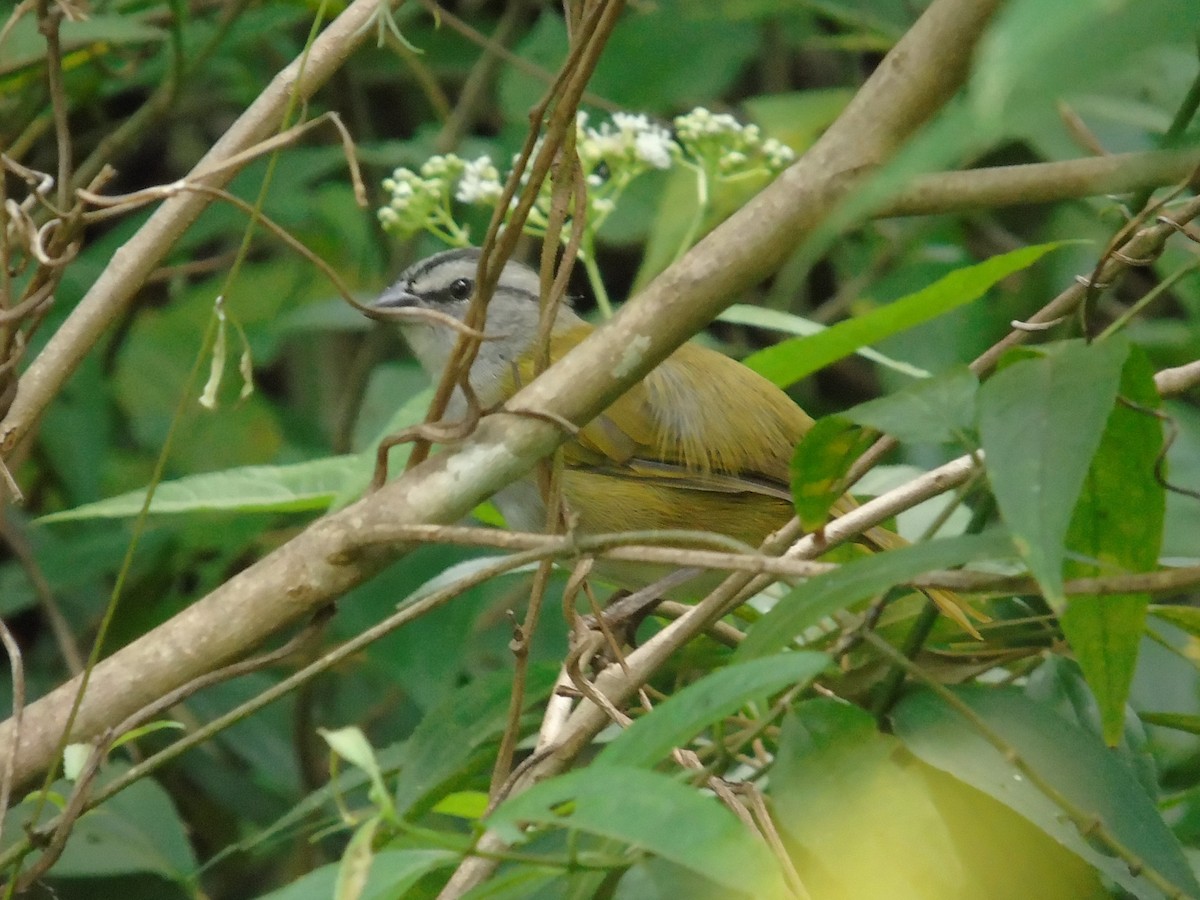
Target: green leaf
355	866
819	466
647	810
1105	631
1039	50
1058	684
352	745
866	819
393	874
447	738
298	487
676	721
789	323
798	118
1040	422
1185	617
1074	762
790	361
310	486
463	805
1176	721
634	73
136	831
936	411
807	604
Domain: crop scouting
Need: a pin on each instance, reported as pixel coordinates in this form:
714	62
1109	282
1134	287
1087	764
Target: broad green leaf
446	739
790	361
655	878
869	821
819	466
1117	527
136	831
789	323
393	874
1058	684
1075	763
798	118
634	72
677	720
856	581
647	810
522	882
1036	51
1040	422
935	411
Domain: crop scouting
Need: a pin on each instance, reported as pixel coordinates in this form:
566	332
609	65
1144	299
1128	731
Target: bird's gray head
445	283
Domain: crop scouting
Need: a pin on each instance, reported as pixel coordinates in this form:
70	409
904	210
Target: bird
702	442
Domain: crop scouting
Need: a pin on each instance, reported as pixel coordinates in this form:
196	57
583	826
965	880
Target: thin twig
16	667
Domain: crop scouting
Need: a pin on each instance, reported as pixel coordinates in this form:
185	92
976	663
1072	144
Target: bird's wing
699	420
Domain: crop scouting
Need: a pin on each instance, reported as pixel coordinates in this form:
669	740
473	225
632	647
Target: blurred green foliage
250	813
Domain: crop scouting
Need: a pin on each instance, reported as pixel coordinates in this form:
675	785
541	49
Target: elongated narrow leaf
295	487
652	812
676	721
1040	422
790	323
854	582
1176	721
1075	763
299	487
789	361
1185	617
1117	527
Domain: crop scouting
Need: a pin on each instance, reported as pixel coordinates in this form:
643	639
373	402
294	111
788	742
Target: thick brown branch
947	192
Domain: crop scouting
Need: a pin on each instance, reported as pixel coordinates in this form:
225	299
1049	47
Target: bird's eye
460	288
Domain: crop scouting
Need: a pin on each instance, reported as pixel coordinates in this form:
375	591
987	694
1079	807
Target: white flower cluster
613	154
629	144
728	147
480	183
421	200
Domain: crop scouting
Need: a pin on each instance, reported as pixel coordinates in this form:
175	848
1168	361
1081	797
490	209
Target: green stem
702	201
1149	297
593	273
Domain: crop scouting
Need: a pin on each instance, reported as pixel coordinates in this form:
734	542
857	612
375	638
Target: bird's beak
393	304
